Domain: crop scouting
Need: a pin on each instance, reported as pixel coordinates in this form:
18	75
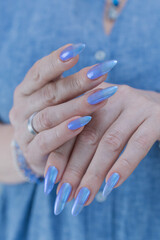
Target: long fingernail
50	179
111	183
101	69
80	201
62	198
71	51
79	122
102	95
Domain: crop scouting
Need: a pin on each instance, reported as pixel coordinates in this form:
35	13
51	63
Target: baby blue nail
79	122
102	95
62	198
101	69
80	201
111	183
50	179
72	51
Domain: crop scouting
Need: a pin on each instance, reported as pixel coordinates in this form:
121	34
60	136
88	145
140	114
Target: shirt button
100	55
99	197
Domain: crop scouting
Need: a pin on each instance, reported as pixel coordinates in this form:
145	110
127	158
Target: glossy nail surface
102	95
101	69
79	122
50	179
80	201
111	183
62	198
71	51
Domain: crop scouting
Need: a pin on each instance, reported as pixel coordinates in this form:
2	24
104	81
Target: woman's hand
46	92
130	117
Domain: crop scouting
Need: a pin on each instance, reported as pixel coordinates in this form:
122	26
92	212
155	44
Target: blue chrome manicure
80	201
62	198
50	179
79	122
111	183
102	95
72	51
101	69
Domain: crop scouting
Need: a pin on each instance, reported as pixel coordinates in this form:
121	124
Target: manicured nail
101	69
102	95
80	201
62	198
71	51
79	122
50	179
111	183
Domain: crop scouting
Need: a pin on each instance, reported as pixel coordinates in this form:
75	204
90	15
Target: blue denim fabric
28	31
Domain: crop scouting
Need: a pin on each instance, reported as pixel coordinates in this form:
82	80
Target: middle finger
67	88
52	116
110	147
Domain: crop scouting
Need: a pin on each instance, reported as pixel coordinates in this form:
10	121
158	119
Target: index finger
50	67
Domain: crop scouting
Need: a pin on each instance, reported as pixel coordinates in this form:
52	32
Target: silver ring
31	129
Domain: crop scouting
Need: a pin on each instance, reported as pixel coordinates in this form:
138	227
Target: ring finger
108	150
52	116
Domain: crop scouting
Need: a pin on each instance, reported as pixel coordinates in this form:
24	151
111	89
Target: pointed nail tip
56	211
80	47
74	214
45	192
83	45
115	88
88	118
115	62
118	176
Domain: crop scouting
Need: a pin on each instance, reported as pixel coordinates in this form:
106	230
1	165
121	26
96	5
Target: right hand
46	92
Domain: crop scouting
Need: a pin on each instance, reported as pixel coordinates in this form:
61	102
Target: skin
134	122
55	100
109	24
130	117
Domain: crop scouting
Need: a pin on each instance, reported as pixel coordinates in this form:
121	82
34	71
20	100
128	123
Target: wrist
22	165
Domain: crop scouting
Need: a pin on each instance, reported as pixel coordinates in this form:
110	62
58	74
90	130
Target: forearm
8	171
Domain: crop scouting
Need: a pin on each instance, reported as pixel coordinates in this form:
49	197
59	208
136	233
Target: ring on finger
31	129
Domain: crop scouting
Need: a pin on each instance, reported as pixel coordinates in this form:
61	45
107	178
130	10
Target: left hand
131	117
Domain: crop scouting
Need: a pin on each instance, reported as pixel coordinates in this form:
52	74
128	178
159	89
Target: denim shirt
30	30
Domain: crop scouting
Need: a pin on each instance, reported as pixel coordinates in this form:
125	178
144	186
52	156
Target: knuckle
43	120
34	71
157	111
97	177
113	140
41	143
125	89
74	172
48	94
142	142
52	62
17	92
13	116
57	135
94	177
89	136
57	154
126	164
76	83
